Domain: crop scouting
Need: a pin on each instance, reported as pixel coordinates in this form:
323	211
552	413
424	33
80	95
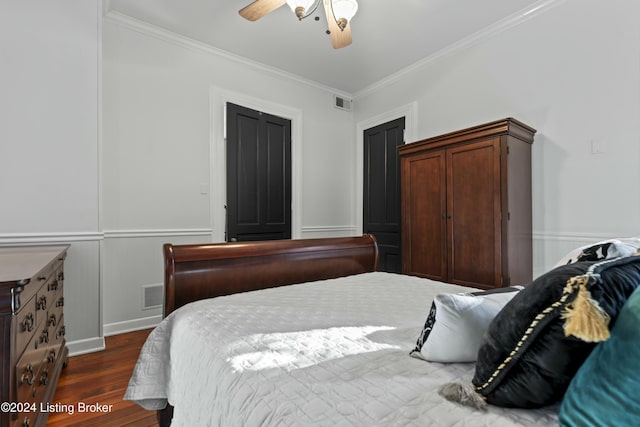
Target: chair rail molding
168	232
49	237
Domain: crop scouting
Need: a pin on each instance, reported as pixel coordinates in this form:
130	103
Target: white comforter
330	353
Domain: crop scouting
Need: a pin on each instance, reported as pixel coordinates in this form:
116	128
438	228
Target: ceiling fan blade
260	8
339	38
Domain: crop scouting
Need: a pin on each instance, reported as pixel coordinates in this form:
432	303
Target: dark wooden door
258	175
381	196
474	213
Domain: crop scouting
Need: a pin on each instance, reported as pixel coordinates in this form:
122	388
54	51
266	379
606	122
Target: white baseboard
123	327
89	345
92	345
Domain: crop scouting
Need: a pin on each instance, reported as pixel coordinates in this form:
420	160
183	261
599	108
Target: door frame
410	113
218	99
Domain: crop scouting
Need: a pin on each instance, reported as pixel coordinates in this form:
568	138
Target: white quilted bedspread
330	353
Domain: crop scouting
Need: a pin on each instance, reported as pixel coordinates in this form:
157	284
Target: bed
299	332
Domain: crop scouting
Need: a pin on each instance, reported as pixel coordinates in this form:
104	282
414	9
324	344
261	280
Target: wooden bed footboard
195	272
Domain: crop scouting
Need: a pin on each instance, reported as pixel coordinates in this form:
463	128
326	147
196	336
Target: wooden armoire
466	205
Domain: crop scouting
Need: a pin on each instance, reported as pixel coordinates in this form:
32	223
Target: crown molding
163	34
504	24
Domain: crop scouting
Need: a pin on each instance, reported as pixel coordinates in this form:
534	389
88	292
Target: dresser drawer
25	419
29	409
28	372
44	277
42	338
44	301
24	413
34	316
53	285
58	336
26	326
56	305
34	374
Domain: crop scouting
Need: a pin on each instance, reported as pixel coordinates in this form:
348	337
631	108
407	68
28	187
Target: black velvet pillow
535	345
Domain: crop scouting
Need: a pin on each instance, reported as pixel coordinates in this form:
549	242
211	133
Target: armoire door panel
424	215
473	213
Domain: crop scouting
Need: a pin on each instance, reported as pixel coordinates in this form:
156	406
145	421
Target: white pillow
456	324
605	249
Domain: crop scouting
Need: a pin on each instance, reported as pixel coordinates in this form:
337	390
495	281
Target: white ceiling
388	35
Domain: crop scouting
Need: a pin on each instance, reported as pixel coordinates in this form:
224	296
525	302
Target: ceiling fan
338	12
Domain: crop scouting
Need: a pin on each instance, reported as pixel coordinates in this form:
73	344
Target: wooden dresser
466	205
31	319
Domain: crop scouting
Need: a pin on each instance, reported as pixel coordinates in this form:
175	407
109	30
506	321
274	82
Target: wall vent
342	103
152	296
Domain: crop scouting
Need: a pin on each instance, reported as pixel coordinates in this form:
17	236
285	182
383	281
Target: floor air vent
152	296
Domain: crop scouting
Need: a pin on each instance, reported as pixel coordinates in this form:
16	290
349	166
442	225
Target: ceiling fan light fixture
338	14
344	11
300	7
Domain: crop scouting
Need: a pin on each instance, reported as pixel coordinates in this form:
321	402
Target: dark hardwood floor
102	378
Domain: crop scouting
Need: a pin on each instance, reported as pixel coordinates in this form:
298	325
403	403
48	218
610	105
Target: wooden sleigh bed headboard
195	272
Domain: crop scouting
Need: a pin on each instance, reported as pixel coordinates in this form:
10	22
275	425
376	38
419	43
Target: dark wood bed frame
195	272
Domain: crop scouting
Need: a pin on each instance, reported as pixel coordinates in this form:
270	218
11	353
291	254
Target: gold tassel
584	318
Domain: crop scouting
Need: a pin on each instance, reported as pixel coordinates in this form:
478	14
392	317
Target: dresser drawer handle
60	302
52	319
25	378
53	286
26	422
44	378
42	303
27	323
44	336
61	332
52	356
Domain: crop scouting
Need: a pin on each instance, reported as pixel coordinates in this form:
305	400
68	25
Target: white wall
572	71
163	110
49	144
137	177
